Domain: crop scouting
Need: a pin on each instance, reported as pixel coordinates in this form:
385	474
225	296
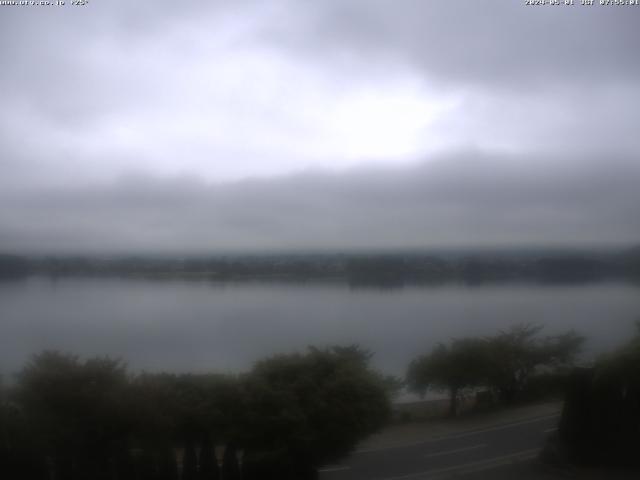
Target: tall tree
75	409
516	354
451	367
308	409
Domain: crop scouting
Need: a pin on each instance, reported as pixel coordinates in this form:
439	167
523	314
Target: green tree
504	362
305	410
600	423
514	355
453	367
291	413
188	411
75	410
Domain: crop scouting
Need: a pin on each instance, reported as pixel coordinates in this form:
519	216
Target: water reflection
197	325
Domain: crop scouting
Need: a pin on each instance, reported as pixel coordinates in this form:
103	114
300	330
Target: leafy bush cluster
71	419
600	423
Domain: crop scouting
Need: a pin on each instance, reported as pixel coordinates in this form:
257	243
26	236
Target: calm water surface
198	326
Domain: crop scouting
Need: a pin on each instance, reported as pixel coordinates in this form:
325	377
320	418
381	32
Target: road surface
489	450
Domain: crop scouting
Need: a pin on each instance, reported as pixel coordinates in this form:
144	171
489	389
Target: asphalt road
475	453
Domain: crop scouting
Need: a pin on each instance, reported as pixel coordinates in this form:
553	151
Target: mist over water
178	325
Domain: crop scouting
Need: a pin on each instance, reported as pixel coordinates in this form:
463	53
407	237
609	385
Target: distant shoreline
376	269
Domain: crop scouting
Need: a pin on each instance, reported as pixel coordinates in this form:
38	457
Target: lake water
200	326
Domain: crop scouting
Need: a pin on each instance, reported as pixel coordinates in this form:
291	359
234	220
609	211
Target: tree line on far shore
390	270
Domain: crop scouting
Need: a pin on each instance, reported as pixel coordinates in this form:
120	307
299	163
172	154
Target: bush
600	422
89	419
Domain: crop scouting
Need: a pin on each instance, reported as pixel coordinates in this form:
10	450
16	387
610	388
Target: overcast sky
250	125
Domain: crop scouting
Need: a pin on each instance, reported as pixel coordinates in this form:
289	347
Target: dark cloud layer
466	200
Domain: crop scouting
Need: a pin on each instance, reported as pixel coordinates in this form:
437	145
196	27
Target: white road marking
498	427
457	435
457	450
334	469
472	466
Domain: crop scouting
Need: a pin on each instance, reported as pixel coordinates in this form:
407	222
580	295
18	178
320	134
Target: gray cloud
503	43
466	200
133	126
